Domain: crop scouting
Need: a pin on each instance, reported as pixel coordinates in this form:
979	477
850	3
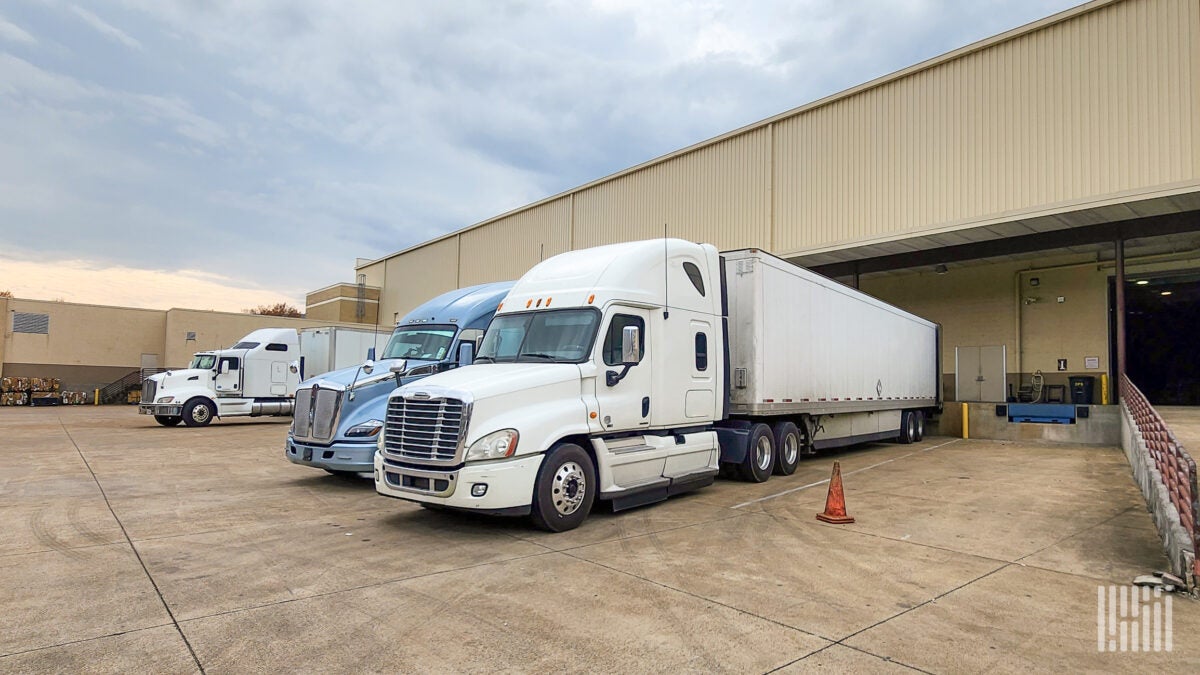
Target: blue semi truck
339	414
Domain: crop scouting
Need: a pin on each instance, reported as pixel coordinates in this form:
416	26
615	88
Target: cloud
14	33
105	28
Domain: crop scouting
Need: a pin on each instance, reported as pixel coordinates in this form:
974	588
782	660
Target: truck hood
485	380
179	376
345	376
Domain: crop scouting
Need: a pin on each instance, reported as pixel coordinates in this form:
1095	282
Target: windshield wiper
540	356
480	358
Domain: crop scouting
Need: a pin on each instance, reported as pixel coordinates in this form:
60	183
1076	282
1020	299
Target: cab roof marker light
548	301
528	303
591	298
539	302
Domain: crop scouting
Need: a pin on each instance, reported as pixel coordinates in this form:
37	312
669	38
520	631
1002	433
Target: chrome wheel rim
762	453
791	448
569	488
201	413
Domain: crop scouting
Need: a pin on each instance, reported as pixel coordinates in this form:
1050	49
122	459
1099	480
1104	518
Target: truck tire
760	455
198	412
908	427
564	490
920	425
167	420
787	448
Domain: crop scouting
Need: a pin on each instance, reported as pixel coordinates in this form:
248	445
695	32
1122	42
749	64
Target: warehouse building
1000	189
89	346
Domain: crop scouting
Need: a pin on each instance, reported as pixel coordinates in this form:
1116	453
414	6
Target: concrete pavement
128	546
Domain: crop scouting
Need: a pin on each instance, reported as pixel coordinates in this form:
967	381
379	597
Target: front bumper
509	484
161	409
336	457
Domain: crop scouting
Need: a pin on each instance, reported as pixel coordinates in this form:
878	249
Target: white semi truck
636	371
257	376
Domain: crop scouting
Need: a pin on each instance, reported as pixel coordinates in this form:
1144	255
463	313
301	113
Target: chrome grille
149	391
424	429
300	422
316	414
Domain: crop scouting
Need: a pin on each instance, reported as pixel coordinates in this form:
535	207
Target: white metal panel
803	338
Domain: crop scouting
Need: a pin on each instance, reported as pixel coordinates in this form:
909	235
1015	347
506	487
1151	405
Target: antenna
541	252
666	258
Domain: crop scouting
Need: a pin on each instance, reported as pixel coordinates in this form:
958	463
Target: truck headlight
495	445
165	399
368	428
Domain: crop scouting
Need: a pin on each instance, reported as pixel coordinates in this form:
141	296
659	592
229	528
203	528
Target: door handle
645	406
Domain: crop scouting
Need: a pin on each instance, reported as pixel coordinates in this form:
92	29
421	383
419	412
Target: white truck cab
256	376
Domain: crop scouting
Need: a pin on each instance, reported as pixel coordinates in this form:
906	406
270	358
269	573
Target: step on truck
340	414
256	376
635	371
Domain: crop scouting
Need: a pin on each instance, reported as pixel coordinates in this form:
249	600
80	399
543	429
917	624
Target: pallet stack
37	391
76	398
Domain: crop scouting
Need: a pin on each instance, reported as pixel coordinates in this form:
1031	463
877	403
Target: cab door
625	405
229	375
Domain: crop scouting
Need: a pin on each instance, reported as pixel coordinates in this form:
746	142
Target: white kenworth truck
636	371
255	377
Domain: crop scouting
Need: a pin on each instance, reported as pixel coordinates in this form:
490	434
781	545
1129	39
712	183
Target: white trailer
849	367
636	371
331	348
257	376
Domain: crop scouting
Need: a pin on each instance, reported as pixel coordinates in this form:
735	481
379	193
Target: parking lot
132	547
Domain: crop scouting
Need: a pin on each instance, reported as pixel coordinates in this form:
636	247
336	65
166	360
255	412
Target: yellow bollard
966	423
96	400
1103	388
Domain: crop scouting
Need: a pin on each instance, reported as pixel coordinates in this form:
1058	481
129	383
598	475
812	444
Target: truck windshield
204	361
428	343
561	335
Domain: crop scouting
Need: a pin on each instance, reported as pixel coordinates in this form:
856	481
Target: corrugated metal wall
1102	104
506	249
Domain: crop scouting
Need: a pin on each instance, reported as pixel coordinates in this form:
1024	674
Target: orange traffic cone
835	503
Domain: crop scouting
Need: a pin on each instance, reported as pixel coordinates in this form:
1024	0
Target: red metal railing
1174	464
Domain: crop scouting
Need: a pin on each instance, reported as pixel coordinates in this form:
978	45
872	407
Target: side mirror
399	366
369	365
370	354
466	354
224	367
631	345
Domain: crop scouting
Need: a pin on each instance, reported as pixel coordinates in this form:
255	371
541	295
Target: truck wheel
787	448
198	412
167	420
908	427
920	425
760	455
565	489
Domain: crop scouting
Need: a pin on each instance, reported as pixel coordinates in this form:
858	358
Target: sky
226	154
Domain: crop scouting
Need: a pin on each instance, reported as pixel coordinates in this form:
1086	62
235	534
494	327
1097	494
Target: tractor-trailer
635	371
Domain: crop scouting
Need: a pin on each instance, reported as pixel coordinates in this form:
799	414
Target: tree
277	309
6	294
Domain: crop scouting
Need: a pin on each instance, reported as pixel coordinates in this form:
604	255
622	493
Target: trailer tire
760	455
920	425
908	427
564	490
168	420
787	448
198	412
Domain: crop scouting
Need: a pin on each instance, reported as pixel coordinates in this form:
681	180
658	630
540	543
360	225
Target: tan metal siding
718	194
505	249
417	276
1102	104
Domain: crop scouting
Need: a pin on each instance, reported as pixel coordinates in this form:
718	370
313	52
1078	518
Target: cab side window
612	339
